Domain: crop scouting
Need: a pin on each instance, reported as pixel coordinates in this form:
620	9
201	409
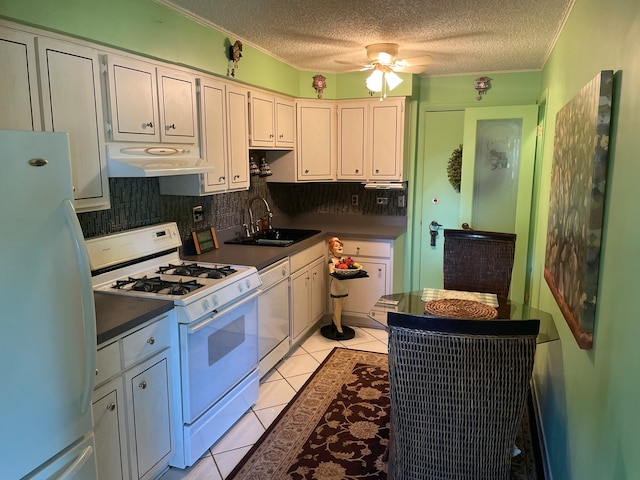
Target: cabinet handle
149	124
357	171
172	126
358	250
271	135
151	340
306	171
235	177
377	170
111	407
143	384
281	136
221	179
96	372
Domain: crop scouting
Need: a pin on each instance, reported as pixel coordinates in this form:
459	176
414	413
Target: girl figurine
339	290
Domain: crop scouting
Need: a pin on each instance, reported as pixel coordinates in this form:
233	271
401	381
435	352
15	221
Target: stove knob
215	301
248	282
240	287
205	304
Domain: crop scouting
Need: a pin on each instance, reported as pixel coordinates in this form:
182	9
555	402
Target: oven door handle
216	313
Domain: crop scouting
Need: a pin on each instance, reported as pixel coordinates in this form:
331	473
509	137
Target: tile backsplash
136	202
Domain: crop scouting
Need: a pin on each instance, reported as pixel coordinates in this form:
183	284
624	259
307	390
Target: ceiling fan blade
411	69
415	61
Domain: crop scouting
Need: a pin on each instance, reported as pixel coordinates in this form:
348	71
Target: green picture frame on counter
205	240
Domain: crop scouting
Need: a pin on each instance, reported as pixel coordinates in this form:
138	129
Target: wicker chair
458	393
476	261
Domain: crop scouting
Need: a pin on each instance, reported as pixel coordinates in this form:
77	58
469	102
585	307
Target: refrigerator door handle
71	472
87	303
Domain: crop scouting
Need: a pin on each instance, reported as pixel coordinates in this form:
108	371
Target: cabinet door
214	134
316	147
71	102
300	301
177	106
238	138
318	291
387	139
19	102
149	416
285	123
352	141
110	431
133	99
365	292
262	118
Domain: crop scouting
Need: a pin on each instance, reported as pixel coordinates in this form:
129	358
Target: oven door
216	353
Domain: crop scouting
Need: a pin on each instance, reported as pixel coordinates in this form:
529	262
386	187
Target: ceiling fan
385	63
386	55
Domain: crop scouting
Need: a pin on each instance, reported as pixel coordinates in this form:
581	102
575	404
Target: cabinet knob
222	179
306	171
149	124
236	177
111	407
172	126
271	136
151	340
357	171
143	384
96	372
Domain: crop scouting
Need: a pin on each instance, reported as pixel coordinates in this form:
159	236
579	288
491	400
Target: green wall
441	105
589	399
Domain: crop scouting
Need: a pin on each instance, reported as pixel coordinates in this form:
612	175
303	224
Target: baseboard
544	455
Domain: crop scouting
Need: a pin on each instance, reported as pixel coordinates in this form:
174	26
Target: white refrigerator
47	319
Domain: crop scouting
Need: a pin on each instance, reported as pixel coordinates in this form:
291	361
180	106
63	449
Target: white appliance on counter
273	312
217	311
48	339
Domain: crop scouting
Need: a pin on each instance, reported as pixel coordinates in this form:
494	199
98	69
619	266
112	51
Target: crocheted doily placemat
458	308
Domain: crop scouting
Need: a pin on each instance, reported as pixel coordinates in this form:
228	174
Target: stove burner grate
157	285
195	270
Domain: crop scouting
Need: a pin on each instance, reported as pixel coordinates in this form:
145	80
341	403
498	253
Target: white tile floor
277	388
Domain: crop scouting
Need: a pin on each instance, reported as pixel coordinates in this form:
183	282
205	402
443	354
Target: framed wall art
576	204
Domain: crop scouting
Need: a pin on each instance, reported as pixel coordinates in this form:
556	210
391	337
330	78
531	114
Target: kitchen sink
277	237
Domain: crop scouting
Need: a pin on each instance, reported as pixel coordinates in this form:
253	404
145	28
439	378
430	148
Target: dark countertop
116	314
344	226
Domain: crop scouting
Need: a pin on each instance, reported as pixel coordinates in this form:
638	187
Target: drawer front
107	362
146	341
304	258
366	248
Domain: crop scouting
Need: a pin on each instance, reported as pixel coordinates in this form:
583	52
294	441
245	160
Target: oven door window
220	351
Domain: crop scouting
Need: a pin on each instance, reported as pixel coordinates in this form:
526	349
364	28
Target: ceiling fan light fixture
375	81
392	79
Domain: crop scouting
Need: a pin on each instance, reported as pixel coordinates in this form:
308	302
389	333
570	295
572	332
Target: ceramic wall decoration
319	83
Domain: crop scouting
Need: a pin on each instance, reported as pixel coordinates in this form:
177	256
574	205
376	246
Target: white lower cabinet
308	289
133	404
382	260
110	431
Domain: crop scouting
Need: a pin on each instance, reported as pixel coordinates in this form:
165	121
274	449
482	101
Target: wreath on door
454	168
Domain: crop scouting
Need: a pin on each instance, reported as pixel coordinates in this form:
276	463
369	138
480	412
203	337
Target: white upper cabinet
224	145
272	121
150	104
71	102
177	99
316	147
371	140
19	101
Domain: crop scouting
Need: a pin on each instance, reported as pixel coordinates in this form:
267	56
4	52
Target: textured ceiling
462	36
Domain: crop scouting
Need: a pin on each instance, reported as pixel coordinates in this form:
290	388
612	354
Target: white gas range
217	313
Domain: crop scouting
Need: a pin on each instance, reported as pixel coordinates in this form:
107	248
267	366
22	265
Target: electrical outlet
402	201
382	200
198	215
354	200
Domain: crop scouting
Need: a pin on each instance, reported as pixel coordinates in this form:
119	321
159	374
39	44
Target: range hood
385	185
127	160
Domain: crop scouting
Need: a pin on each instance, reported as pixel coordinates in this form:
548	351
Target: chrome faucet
256	227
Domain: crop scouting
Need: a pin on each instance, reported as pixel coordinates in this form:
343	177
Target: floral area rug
337	427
